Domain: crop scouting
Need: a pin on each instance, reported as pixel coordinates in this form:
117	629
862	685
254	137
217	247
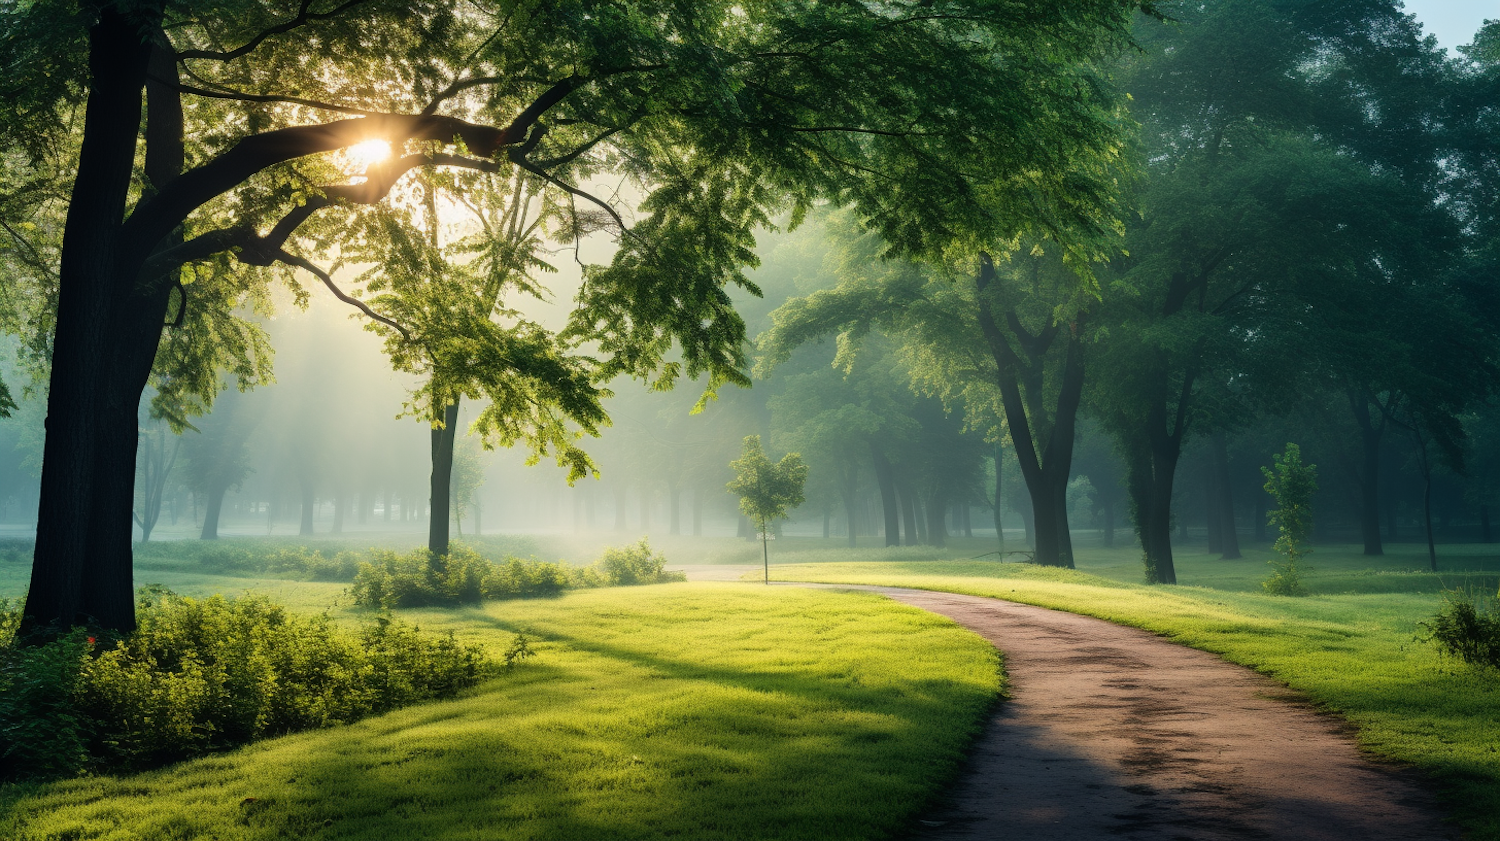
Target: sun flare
369	152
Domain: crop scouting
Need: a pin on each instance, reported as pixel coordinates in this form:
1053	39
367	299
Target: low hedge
419	579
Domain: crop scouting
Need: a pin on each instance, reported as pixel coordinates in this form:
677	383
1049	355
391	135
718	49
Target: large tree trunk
885	478
83	516
441	488
1043	435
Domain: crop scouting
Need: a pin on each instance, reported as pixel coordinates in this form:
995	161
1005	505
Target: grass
692	711
1352	647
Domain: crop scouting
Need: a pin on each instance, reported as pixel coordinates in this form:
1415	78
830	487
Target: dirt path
1116	733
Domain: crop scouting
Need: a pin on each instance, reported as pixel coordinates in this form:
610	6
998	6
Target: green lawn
685	710
1352	647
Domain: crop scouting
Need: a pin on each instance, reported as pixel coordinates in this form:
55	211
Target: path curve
1115	733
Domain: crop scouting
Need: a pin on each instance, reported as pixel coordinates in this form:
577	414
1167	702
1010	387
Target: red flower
91	640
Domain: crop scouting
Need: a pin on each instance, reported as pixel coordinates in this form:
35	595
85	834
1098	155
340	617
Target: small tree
467	478
767	490
1292	484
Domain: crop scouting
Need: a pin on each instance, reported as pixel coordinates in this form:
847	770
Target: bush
635	565
205	674
392	581
1467	627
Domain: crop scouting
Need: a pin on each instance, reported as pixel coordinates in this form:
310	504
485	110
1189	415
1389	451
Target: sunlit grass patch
692	711
1355	654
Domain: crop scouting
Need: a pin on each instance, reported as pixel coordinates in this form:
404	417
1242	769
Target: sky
1454	22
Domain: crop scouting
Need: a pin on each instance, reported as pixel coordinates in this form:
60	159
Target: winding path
1115	733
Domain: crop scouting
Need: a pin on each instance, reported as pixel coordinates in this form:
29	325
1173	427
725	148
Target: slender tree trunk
674	497
1109	523
308	502
211	514
1229	536
908	503
999	512
963	513
1211	512
645	502
850	497
1370	433
441	488
338	514
765	553
937	531
697	512
885	478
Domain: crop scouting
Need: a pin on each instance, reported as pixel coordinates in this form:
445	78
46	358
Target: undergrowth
201	675
418	579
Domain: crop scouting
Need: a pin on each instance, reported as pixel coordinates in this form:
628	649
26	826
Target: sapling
767	490
1292	484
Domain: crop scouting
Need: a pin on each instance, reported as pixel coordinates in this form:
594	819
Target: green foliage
201	675
634	564
1292	484
393	580
42	731
1467	627
767	490
699	712
298	563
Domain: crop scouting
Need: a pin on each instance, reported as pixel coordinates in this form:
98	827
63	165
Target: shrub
391	580
205	674
635	564
1467	627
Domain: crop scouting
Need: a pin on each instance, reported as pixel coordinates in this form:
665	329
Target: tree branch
290	259
303	17
240	96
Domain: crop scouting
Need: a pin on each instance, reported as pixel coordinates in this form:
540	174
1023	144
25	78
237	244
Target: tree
1009	344
1292	484
158	456
218	457
1292	155
468	477
767	490
723	112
